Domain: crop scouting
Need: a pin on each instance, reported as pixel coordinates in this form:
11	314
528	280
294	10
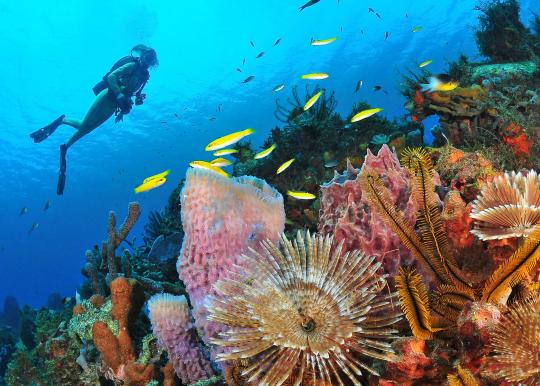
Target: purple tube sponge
172	325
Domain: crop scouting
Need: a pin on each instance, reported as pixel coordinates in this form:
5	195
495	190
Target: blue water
53	54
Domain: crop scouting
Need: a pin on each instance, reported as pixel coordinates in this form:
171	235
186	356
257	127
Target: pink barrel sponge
171	323
346	213
222	217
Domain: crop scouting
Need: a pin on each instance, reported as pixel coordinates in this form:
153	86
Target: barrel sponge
222	217
172	326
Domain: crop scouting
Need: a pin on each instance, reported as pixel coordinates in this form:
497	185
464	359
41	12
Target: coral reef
305	312
345	213
222	218
172	325
501	36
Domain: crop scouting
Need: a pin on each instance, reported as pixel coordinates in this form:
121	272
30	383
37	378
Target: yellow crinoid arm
414	303
379	198
499	285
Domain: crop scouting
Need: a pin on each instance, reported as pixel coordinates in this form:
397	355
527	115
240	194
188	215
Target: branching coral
516	343
508	207
431	252
305	312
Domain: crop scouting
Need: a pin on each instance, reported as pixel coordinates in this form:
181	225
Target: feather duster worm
516	343
304	312
508	207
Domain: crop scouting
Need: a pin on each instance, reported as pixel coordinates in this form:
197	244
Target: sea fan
508	207
305	312
516	343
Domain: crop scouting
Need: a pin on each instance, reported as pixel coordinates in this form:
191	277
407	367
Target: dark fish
386	34
248	79
212	118
260	55
371	10
176	115
341	28
379	16
377	88
384	91
47	205
309	4
252	44
24	210
358	85
33	228
407	15
362	31
277	42
219	108
243	61
163	121
238	69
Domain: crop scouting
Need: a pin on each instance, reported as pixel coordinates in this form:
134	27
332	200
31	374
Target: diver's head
147	56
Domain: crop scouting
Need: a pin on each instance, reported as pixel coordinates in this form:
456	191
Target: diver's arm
114	77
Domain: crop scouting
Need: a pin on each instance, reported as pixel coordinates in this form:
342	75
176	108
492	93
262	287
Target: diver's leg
101	110
76	123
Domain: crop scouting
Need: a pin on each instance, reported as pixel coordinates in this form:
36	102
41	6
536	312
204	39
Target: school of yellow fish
220	146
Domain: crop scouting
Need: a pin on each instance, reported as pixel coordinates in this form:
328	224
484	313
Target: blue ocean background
54	52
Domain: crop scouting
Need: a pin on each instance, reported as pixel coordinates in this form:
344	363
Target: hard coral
345	212
172	325
305	312
222	218
508	207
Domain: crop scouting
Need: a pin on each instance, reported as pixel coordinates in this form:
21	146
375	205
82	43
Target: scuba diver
125	79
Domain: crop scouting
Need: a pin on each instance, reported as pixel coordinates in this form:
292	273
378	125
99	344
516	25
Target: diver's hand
124	103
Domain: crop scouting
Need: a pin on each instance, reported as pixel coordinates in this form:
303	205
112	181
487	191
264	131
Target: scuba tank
102	84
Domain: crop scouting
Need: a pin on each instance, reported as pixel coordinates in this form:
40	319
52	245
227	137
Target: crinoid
507	207
305	312
516	343
440	310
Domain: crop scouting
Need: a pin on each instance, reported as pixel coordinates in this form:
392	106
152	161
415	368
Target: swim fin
62	175
44	133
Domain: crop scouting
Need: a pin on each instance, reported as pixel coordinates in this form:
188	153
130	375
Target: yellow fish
322	42
315	75
365	114
221	152
439	83
417	28
425	63
312	100
208	166
159	175
151	184
301	195
265	152
284	166
228	139
221	162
